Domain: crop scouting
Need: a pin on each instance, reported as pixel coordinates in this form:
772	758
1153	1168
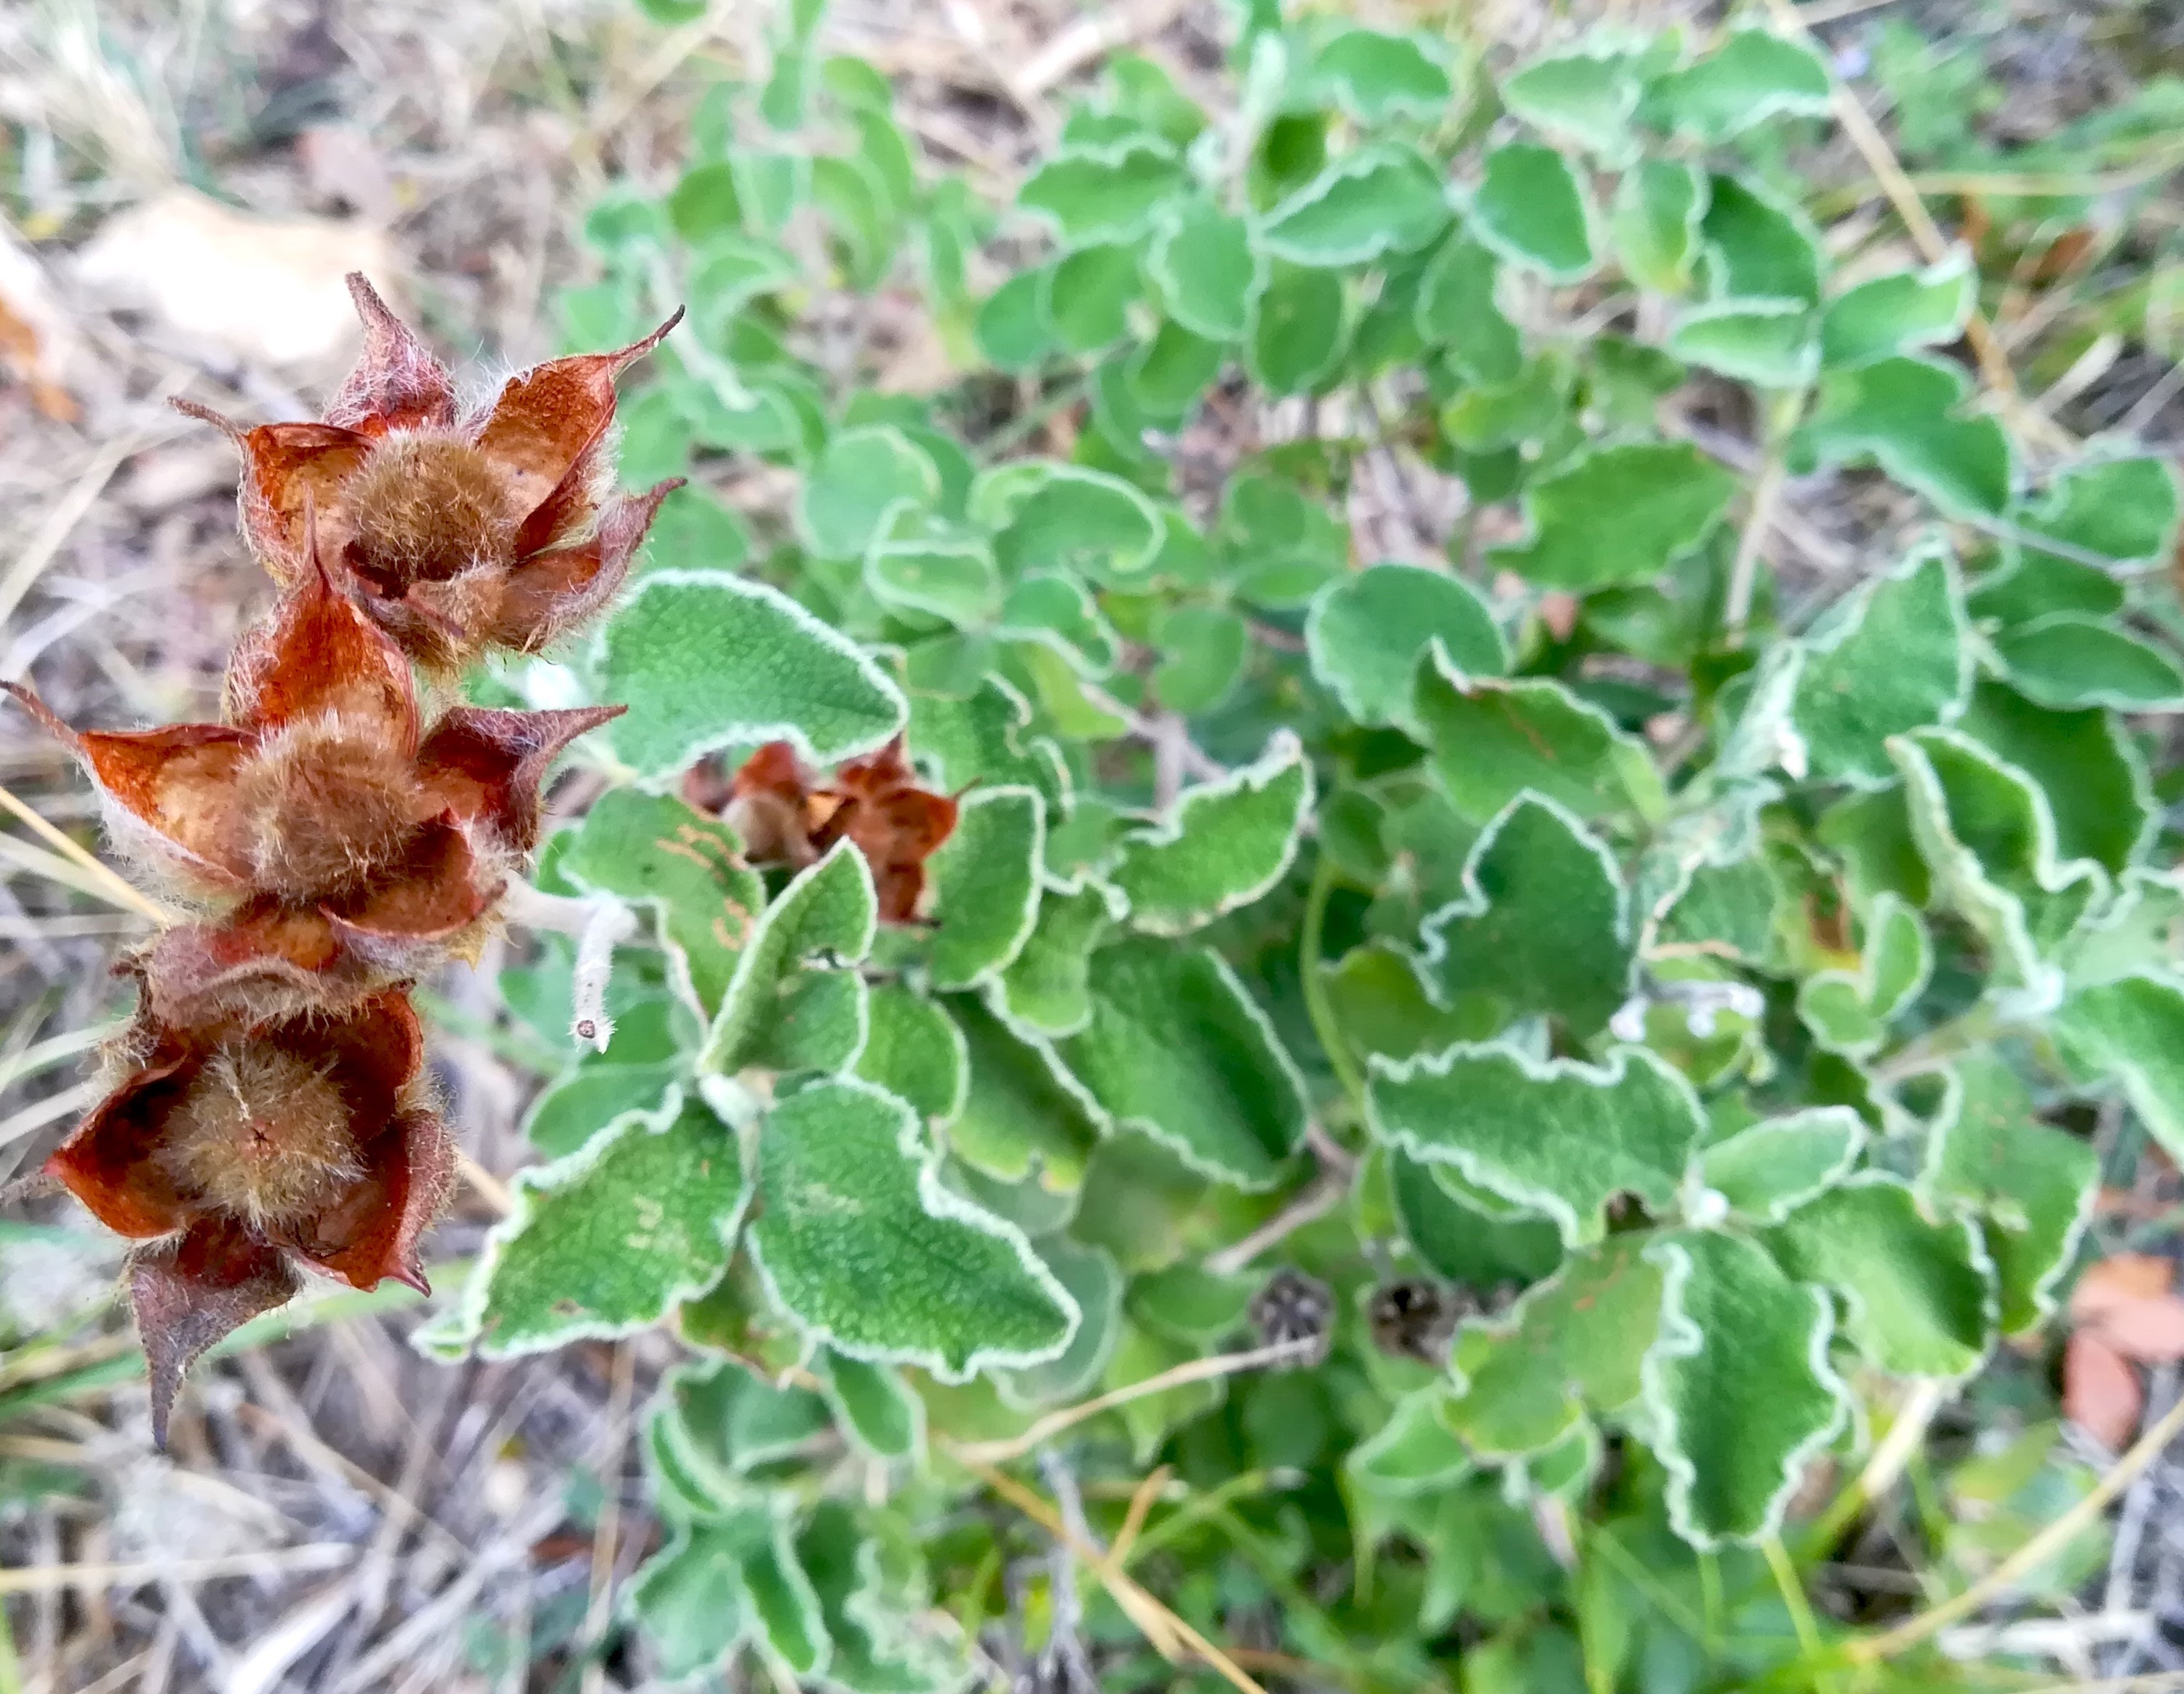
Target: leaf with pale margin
1917	1294
1460	1241
1457	309
862	1244
1618	515
1414	1452
1046	987
1543	925
1300	324
1049	516
611	1239
1907	416
1560	1138
1848	1012
986	886
1378	200
690	1596
1574	1343
1751	77
914	1050
1531	209
2086	762
1177	1048
1985	832
1899	311
1765	1171
1203	653
2132	1029
1760	248
1207	272
654	849
1381	1004
719	1429
708	661
1046	606
1588	95
2121	509
860	480
873	1405
1492	739
1224	845
796	1002
867	1609
922	568
1088	294
1659	210
1769	344
1367	630
1374	75
1094	1282
1024	1115
2032	1185
1890	657
1104	193
975	739
2070	660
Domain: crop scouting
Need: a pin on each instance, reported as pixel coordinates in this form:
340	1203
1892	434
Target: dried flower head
498	529
785	817
244	1152
1294	1310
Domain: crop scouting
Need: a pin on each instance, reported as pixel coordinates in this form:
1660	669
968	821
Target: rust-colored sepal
246	1152
495	530
786	817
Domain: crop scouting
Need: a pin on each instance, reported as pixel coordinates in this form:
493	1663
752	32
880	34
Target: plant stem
1317	1007
1793	1597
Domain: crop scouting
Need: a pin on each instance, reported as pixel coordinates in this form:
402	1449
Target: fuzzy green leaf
1659	209
1104	193
922	568
707	661
914	1050
1367	630
862	479
1752	77
1460	1241
1046	606
1377	200
1765	1171
1205	269
1375	75
2133	1029
1759	248
1493	739
1414	1452
1456	309
867	1606
1299	325
1898	312
1047	516
1848	1012
1589	96
794	1003
976	740
873	1404
1909	415
1094	1282
1891	657
1618	515
2121	509
690	1596
1225	844
1739	1385
1177	1048
1769	344
1531	209
2072	661
610	1238
985	886
1560	1138
862	1245
1088	295
1541	926
1204	651
1024	1116
1046	987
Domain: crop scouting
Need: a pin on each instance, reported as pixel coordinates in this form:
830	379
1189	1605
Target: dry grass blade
67	845
313	1556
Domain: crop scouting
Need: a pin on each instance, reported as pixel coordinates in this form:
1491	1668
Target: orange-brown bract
786	817
267	1113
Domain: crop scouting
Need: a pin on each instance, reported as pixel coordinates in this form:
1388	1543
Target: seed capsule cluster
339	832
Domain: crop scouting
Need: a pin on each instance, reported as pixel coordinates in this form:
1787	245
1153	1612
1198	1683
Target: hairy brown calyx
262	1134
426	507
323	804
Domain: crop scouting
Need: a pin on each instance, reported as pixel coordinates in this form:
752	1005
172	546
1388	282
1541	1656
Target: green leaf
1094	1282
1739	1386
1659	210
1542	925
1104	193
1987	834
2121	509
1618	515
974	739
611	1239
1769	344
921	568
2086	763
1919	1295
720	1430
574	1107
1899	311
1759	247
1368	629
1176	1048
1374	76
1459	1241
690	1596
654	849
1531	209
1046	987
862	1244
1169	374
1562	1138
2070	660
867	1610
986	883
1574	1343
1492	739
1849	1012
1888	658
2132	1030
706	660
862	479
2032	1185
1024	1115
1203	269
1089	294
1907	414
1381	1006
1226	843
873	1404
1751	78
1456	309
1204	649
796	1002
1299	327
914	1050
1588	95
1414	1452
1767	1171
1377	200
1047	606
1047	516
1011	329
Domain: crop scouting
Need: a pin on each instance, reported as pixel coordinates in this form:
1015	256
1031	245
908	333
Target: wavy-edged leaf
2132	1029
1751	77
1367	630
1769	344
1618	515
1560	1137
861	479
1848	1011
1899	311
1765	1171
707	661
1377	200
977	739
1531	209
793	1003
1206	271
1094	1282
2086	762
1024	1115
1105	193
1414	1452
871	1612
1909	415
914	1050
1376	75
860	1242
1659	207
2070	660
873	1405
1047	516
1457	309
986	886
1047	987
1300	325
1588	95
1460	1241
1226	843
